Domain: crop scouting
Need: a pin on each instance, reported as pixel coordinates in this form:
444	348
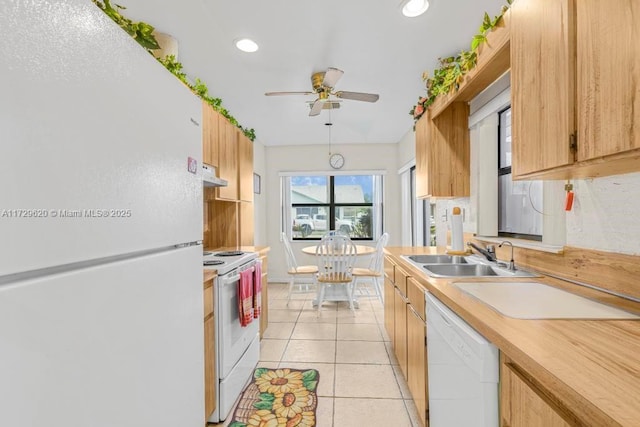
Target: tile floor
360	381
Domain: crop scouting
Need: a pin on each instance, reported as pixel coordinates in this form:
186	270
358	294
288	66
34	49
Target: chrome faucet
512	264
489	253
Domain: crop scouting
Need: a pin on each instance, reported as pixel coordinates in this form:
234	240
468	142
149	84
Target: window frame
331	206
507	171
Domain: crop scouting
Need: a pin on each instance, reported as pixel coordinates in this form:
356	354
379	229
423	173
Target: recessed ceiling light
246	45
413	8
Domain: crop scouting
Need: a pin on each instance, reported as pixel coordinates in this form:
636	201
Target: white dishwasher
463	371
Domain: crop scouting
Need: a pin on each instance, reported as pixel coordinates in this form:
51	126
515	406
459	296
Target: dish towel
257	289
245	297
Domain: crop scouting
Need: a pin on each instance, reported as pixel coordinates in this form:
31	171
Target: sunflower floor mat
278	398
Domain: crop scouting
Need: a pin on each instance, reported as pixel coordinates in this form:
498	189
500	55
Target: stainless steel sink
472	270
460	266
455	270
437	259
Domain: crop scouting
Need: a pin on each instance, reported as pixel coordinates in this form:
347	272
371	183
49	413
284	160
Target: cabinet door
522	405
449	153
542	84
228	160
264	315
416	349
389	315
443	153
422	165
245	167
400	330
210	134
209	349
608	76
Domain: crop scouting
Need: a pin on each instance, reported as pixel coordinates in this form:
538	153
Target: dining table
339	292
361	250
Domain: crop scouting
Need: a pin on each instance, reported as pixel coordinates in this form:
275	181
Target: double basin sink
521	300
462	266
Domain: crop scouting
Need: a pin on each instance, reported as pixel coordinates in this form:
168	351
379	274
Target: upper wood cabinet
210	134
228	160
442	153
574	65
542	84
608	75
245	167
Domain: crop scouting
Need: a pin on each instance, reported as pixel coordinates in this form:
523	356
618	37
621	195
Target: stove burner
213	262
205	253
229	253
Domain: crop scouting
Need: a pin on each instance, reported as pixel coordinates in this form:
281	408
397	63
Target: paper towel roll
457	239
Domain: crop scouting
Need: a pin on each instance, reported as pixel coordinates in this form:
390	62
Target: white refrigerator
100	221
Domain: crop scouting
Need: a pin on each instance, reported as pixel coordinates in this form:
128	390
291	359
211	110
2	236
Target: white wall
315	158
407	148
260	200
605	214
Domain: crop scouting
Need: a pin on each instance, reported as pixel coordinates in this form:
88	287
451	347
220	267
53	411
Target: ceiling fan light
246	45
413	8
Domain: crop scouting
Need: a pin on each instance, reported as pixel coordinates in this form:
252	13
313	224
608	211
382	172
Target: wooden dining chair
336	255
297	273
373	272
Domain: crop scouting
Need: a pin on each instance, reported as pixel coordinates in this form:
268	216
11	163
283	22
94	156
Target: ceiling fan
323	83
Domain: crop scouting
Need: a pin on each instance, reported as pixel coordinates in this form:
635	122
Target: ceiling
379	50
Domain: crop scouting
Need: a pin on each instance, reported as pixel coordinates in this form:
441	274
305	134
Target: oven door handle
230	279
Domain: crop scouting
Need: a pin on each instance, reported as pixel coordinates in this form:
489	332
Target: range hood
209	178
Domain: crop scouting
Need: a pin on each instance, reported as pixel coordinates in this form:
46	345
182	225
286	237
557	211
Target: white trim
502	100
333	172
407	166
522	243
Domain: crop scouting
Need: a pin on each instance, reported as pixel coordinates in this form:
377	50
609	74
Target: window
315	204
519	202
423	225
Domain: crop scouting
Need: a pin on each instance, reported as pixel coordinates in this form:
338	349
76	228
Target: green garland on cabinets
453	68
143	34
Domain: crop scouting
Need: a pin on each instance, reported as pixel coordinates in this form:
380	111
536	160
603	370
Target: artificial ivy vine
452	69
143	34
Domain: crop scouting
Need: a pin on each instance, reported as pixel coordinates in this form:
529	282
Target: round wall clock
336	161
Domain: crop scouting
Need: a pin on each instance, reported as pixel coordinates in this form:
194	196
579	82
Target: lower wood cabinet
389	292
389	316
416	349
209	350
400	320
523	404
400	330
264	308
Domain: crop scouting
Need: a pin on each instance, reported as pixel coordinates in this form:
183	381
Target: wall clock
336	161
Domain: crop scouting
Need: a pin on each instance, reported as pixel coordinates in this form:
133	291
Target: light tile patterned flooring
360	381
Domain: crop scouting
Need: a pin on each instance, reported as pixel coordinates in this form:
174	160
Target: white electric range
237	347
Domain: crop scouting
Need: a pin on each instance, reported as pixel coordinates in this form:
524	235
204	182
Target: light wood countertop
592	367
262	250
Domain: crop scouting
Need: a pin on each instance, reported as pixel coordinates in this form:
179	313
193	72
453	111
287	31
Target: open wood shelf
493	61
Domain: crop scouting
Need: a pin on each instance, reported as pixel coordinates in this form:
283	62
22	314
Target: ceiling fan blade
331	77
358	96
288	93
316	108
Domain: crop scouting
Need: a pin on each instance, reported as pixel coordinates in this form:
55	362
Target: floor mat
278	398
